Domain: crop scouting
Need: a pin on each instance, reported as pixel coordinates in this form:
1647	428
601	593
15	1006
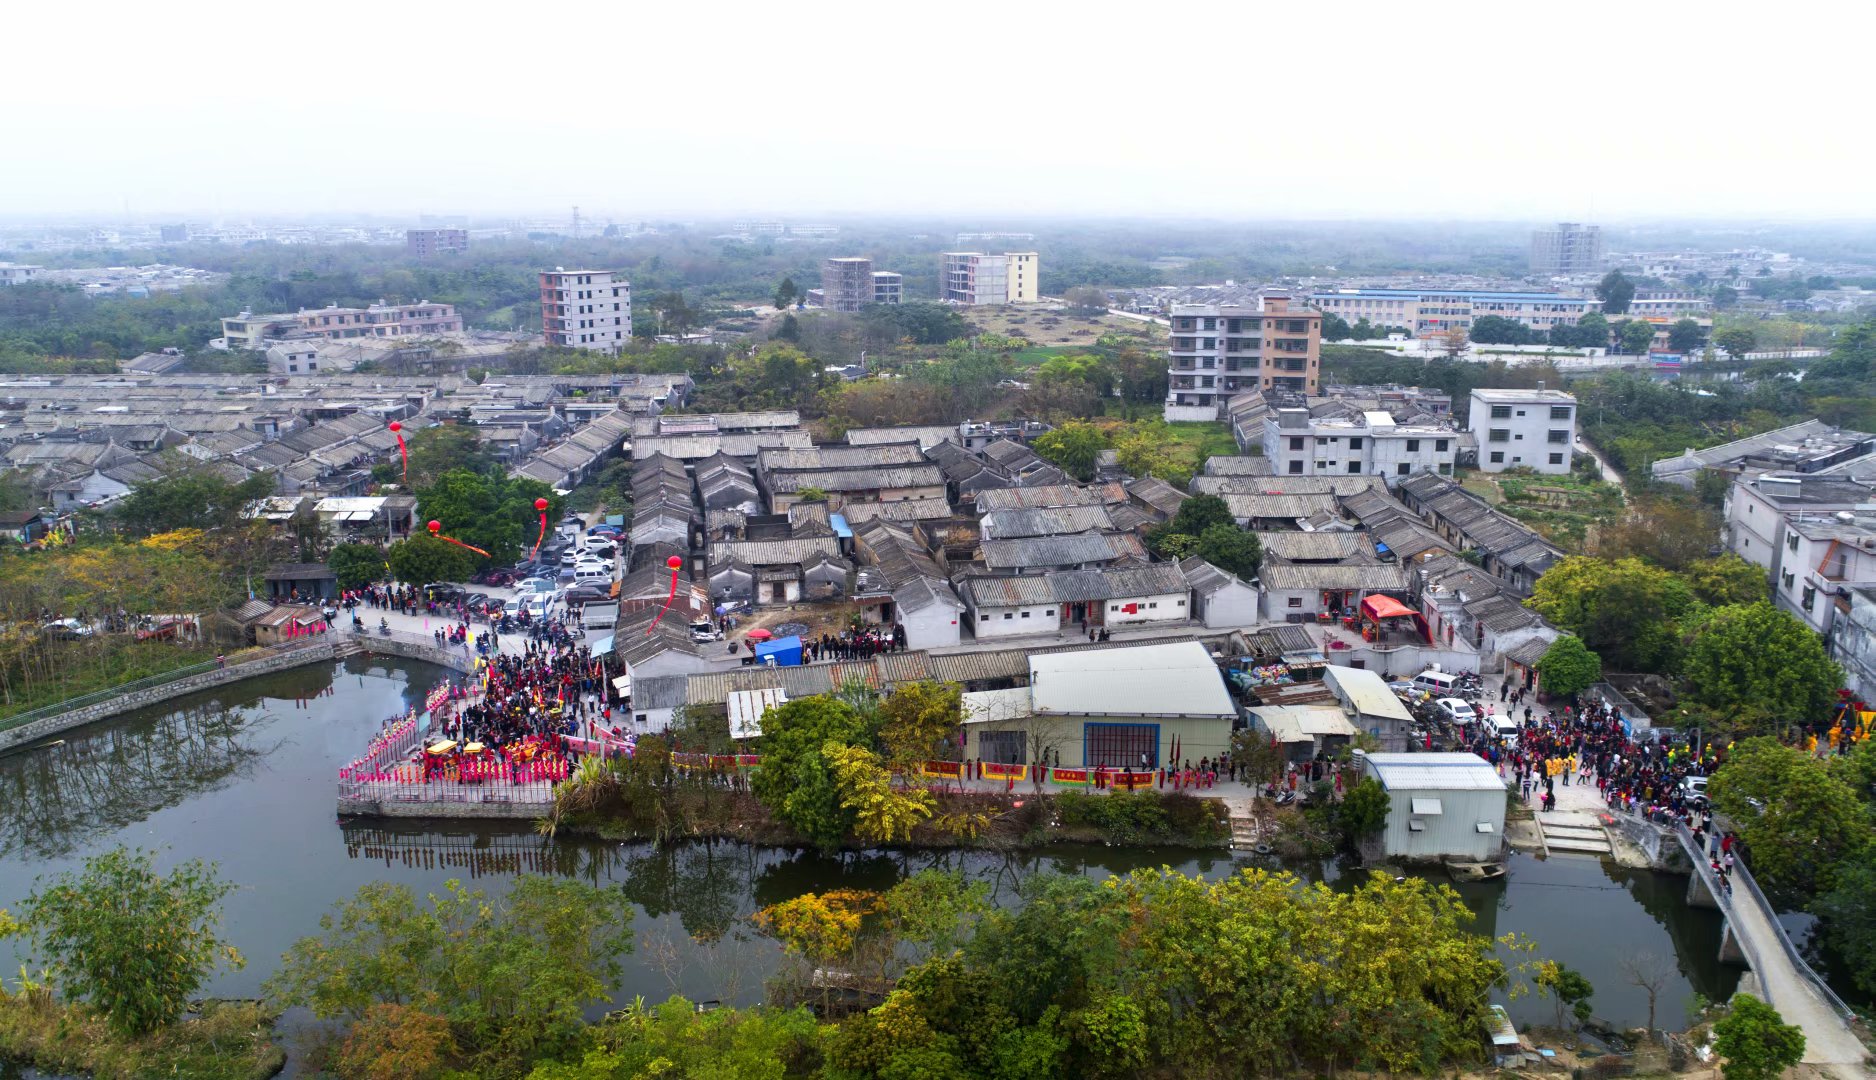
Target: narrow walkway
1574	832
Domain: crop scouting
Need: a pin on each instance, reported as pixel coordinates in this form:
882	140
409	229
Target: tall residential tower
585	309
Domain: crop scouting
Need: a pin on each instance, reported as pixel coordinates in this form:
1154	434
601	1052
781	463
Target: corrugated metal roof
1366	692
1170	679
1435	772
985	706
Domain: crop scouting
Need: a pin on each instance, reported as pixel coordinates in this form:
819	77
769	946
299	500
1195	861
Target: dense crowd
545	691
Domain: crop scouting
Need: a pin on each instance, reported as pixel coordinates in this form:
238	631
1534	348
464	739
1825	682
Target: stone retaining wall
521	811
39	730
458	660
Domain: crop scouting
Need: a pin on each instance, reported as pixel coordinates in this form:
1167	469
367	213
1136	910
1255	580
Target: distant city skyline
1511	114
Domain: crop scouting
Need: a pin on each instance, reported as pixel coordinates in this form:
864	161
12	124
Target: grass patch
1564	509
222	1041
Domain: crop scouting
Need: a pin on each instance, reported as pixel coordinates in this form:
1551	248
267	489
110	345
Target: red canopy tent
1375	607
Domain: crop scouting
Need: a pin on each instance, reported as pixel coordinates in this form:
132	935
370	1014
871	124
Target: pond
244	776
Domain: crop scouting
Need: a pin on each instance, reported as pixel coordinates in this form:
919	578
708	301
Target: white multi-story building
1569	250
1431	312
1815	537
1335	439
585	309
1219	350
974	278
19	273
1532	429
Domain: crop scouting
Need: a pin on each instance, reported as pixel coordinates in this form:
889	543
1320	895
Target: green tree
192	499
1727	579
676	1040
1567	987
1759	656
1363	811
511	975
1799	821
131	943
1669	532
1737	341
1635	335
1616	292
1685	336
786	294
1200	512
493	512
1231	549
1725	297
1498	330
1089	299
1848	910
1592	331
425	560
1336	328
789	330
443	448
356	565
1626	611
796	782
1076	446
1568	668
1755	1041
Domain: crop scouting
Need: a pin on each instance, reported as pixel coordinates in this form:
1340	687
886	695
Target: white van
1505	727
1438	683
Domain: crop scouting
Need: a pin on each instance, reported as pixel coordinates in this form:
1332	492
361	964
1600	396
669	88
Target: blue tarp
602	646
785	651
616	520
841	528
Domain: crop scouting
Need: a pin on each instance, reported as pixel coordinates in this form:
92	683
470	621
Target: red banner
995	771
948	770
1070	776
1130	781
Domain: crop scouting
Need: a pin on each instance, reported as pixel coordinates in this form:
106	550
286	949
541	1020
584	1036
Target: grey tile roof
1050	521
772	552
1048	551
1050	495
1378	577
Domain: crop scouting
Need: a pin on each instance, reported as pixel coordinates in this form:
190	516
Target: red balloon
395	426
675	562
436	526
540	504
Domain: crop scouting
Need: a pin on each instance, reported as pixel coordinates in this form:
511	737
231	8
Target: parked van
1438	683
1505	727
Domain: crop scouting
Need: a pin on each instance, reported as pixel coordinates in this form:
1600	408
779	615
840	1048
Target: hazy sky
1346	110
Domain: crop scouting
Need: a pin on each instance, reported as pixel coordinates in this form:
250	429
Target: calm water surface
244	776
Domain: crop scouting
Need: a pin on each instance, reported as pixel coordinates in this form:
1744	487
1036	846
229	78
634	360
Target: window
1296	601
1113	607
1501	412
1048	613
1001	747
1413	446
1559	412
1439	445
644	717
1498	457
1354	442
1296	443
1025	614
1180	603
1296	468
1556	459
1498	434
1007	615
984	617
1354	468
1791	541
1401	469
1560	437
1810	594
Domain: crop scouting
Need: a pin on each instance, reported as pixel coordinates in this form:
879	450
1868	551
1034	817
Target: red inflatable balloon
397	429
436	530
540	504
676	563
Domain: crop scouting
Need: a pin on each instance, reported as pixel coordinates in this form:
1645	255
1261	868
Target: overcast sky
1585	111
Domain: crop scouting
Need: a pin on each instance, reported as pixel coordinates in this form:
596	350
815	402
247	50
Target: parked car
534	585
598	544
488	605
702	630
536	606
569	557
588	594
495	576
1694	790
66	630
1456	710
443	594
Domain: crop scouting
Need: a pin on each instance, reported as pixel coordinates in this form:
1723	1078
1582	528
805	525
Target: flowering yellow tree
822	927
881	815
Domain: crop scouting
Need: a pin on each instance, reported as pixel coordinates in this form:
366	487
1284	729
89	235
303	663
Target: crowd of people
854	644
547	690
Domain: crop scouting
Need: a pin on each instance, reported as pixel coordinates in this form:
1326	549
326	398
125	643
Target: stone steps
1582	847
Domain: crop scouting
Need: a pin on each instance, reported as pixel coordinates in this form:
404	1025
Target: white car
1457	710
534	585
598	542
536	607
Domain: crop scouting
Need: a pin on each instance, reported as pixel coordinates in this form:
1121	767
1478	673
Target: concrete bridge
1754	937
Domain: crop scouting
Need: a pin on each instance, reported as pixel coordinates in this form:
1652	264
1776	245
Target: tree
1725	297
789	330
424	560
881	815
674	315
1569	989
1755	1041
494	512
1363	811
1568	668
445	447
1626	611
1757	655
1336	328
1727	580
1087	298
1669	532
795	781
1798	821
1635	335
918	720
192	499
786	294
1454	343
1592	331
676	1039
397	1042
1616	292
1076	446
1231	549
511	975
356	565
1685	336
1200	512
131	943
1737	341
1498	330
1648	973
1848	910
